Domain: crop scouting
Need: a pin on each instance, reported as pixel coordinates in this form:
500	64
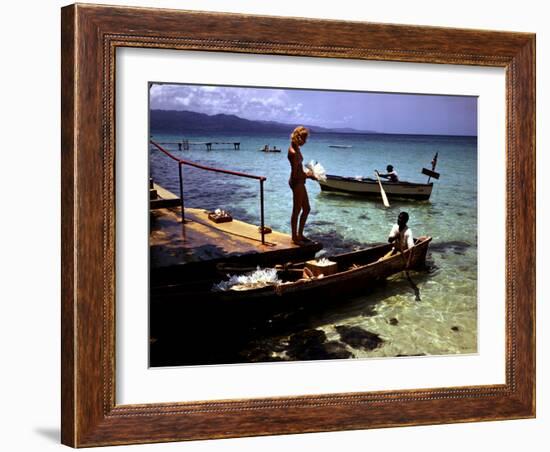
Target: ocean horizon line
251	132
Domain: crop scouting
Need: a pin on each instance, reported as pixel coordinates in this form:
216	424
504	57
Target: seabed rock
258	355
320	223
336	350
263	350
335	243
312	344
456	246
357	337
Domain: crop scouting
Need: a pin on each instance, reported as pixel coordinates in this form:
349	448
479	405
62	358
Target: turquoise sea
445	321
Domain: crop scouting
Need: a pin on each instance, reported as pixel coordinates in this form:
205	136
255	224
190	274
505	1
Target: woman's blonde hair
299	134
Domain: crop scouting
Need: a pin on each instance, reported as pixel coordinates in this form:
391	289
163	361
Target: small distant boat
365	186
340	146
266	148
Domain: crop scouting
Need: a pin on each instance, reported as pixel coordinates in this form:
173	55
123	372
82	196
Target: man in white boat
401	235
391	174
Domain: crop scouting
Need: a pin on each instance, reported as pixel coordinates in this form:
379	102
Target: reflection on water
444	322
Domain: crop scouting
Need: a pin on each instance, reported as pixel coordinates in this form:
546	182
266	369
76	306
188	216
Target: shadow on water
193	337
335	243
168	255
307	339
374	201
186	334
453	246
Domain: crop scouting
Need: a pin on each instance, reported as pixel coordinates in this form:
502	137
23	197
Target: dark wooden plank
430	173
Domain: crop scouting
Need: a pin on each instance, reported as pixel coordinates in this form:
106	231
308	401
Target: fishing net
253	280
318	171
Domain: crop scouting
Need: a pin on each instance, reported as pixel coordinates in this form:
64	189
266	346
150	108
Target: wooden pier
198	244
161	198
185	145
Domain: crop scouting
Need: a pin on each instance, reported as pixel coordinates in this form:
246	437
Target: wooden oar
406	269
382	192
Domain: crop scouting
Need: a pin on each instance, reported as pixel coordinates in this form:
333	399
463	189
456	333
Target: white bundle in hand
318	171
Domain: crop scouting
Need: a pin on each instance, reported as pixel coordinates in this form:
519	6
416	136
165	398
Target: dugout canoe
357	271
367	187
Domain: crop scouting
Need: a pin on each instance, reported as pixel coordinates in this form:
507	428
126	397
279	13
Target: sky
378	112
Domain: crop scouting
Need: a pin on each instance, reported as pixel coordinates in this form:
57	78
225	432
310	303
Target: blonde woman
297	182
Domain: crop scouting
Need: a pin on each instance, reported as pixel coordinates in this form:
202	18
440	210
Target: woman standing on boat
297	182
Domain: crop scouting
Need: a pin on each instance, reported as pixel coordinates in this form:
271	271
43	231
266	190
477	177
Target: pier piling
185	145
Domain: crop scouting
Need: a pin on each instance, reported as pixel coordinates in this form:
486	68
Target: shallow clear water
445	321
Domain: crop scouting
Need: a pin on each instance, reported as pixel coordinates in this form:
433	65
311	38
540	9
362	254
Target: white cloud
250	103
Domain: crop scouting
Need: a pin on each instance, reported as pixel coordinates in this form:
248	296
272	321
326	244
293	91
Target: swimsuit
294	182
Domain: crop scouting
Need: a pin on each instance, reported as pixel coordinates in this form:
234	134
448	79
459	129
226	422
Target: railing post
262	179
262	210
180	164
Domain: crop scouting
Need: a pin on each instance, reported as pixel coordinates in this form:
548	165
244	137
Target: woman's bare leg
296	208
305	212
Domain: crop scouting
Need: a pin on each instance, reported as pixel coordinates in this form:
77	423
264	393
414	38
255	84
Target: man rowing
391	174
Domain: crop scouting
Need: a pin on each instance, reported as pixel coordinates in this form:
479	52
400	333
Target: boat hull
363	270
370	188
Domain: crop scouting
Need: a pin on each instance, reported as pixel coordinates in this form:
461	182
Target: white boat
364	186
273	149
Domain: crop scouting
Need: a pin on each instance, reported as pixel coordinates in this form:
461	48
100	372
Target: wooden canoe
357	272
369	188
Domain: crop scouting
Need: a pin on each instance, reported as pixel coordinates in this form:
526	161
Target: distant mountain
176	121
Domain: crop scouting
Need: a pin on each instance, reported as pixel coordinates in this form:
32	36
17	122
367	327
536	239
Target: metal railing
182	162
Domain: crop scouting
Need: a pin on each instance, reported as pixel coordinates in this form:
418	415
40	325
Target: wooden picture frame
90	37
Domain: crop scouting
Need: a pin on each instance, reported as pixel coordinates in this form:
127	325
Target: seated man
401	235
391	174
